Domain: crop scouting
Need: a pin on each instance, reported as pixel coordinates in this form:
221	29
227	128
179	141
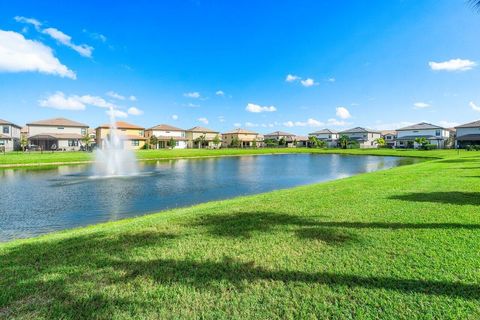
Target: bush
429	146
477	147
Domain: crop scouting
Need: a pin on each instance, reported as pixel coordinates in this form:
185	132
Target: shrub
429	146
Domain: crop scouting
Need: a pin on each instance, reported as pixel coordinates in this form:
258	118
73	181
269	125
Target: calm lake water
34	202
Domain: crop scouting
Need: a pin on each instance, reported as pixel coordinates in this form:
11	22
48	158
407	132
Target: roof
358	130
168	138
165	127
420	126
301	138
323	131
24	129
240	131
388	132
469	137
474	124
122	125
3	122
57	136
413	137
202	129
280	133
56	122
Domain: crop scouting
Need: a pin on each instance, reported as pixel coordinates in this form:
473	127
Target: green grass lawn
12	159
401	243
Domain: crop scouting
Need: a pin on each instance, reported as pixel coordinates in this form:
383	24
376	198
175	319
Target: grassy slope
18	158
401	243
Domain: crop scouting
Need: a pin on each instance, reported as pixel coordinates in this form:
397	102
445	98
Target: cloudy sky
264	65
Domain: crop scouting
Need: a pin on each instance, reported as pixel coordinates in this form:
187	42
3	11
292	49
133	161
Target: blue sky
379	64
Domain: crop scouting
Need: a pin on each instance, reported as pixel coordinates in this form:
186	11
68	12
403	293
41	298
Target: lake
34	202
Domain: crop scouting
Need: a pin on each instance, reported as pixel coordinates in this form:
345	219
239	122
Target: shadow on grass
454	197
461	160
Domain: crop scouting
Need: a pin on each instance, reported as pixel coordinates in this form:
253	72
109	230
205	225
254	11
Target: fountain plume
112	159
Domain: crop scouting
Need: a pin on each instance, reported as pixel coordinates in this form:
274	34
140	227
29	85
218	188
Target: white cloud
308	123
292	78
237	124
343	113
335	122
392	125
116	113
193	105
474	106
96	35
74	102
132	98
18	54
174	117
37	24
331	79
60	102
194	95
203	120
255	108
251	125
220	93
421	105
66	40
134	111
308	82
113	94
453	65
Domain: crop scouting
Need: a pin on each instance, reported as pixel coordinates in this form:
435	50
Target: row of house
65	134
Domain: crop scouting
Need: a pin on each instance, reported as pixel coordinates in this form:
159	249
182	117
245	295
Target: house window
73	143
415	131
365	136
135	143
60	128
437	133
6	129
140	133
84	131
2	142
329	136
177	143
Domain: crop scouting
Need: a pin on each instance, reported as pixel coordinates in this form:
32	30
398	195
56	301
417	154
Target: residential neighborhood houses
61	134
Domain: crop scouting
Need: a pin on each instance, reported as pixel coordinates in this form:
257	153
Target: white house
366	138
9	136
165	133
57	133
329	136
468	134
390	137
434	134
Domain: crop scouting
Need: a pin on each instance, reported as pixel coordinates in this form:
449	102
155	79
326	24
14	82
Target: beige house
330	137
56	134
9	136
166	133
365	138
245	138
131	134
195	134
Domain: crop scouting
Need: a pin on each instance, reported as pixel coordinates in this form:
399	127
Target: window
365	136
329	136
135	143
73	143
140	133
2	142
60	128
177	143
438	133
84	131
415	131
6	129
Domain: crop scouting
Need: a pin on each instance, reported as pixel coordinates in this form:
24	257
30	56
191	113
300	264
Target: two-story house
278	136
132	135
366	138
468	134
200	137
245	138
166	134
434	134
390	137
56	134
9	136
329	136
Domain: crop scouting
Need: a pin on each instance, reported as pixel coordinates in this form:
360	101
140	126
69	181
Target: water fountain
112	159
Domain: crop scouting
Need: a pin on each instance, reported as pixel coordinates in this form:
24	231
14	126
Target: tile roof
202	129
358	130
475	124
323	131
122	125
280	133
240	131
3	122
165	127
58	122
420	126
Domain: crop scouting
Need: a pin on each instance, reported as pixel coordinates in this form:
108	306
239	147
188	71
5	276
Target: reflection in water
34	202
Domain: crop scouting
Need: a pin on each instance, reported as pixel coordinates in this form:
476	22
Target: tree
313	141
235	143
282	141
153	141
271	142
216	141
381	142
171	143
87	141
344	141
23	142
254	143
200	141
321	144
422	142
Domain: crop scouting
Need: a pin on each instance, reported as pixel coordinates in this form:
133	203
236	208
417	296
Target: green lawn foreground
397	244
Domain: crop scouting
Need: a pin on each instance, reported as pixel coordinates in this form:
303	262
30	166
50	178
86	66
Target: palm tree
344	141
87	140
153	141
216	141
200	141
23	142
313	141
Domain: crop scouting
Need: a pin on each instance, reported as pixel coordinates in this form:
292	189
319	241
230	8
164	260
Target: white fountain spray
112	159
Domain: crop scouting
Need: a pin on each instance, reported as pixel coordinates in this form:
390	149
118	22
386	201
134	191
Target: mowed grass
12	159
397	244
